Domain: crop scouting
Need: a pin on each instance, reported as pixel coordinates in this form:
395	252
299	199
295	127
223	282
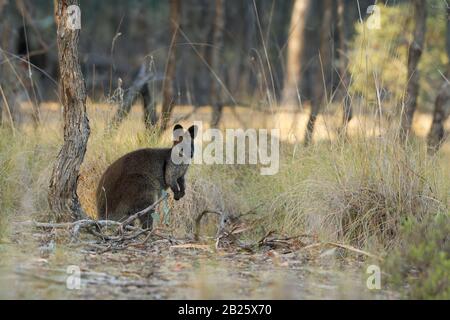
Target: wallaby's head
181	154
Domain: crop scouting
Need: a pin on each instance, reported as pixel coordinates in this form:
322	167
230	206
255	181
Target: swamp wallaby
136	180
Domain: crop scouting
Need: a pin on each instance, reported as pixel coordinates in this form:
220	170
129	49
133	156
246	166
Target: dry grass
357	191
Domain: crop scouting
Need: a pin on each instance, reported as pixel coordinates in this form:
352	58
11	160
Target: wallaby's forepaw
178	195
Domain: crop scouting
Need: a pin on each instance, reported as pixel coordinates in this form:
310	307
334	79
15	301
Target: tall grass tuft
360	192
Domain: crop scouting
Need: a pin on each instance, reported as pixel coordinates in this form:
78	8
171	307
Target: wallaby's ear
193	131
177	132
177	127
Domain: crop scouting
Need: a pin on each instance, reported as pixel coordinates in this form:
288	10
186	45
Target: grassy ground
365	192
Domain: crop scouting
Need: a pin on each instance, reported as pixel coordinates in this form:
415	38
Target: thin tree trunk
415	51
204	29
322	73
150	116
2	4
295	50
246	80
344	25
2	42
442	104
440	115
31	82
219	21
125	102
10	79
62	197
168	98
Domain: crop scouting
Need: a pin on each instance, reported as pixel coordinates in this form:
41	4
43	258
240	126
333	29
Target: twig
142	212
350	248
251	211
191	246
79	223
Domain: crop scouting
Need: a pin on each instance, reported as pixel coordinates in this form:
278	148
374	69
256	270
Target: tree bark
168	99
442	104
295	48
322	74
62	197
415	51
219	21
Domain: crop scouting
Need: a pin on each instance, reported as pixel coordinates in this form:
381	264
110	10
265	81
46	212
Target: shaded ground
33	265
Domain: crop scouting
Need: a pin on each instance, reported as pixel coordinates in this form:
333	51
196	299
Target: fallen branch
350	248
119	238
78	223
343	246
142	212
191	246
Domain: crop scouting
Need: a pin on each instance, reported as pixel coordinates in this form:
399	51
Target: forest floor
35	266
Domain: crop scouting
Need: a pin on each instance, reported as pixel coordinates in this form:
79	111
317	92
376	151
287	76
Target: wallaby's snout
136	180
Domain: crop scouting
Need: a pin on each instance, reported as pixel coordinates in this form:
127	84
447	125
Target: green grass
378	57
420	267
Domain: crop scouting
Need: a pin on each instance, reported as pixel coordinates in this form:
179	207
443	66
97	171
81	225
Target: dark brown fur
136	180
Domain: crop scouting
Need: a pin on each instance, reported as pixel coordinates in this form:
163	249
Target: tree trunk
322	73
345	22
295	50
219	18
62	197
442	104
11	85
168	99
2	58
441	113
150	116
31	81
125	101
415	51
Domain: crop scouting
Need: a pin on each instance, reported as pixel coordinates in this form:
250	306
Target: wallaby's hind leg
139	205
147	220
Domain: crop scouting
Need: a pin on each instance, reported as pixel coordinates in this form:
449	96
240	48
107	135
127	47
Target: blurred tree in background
378	56
239	54
116	38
